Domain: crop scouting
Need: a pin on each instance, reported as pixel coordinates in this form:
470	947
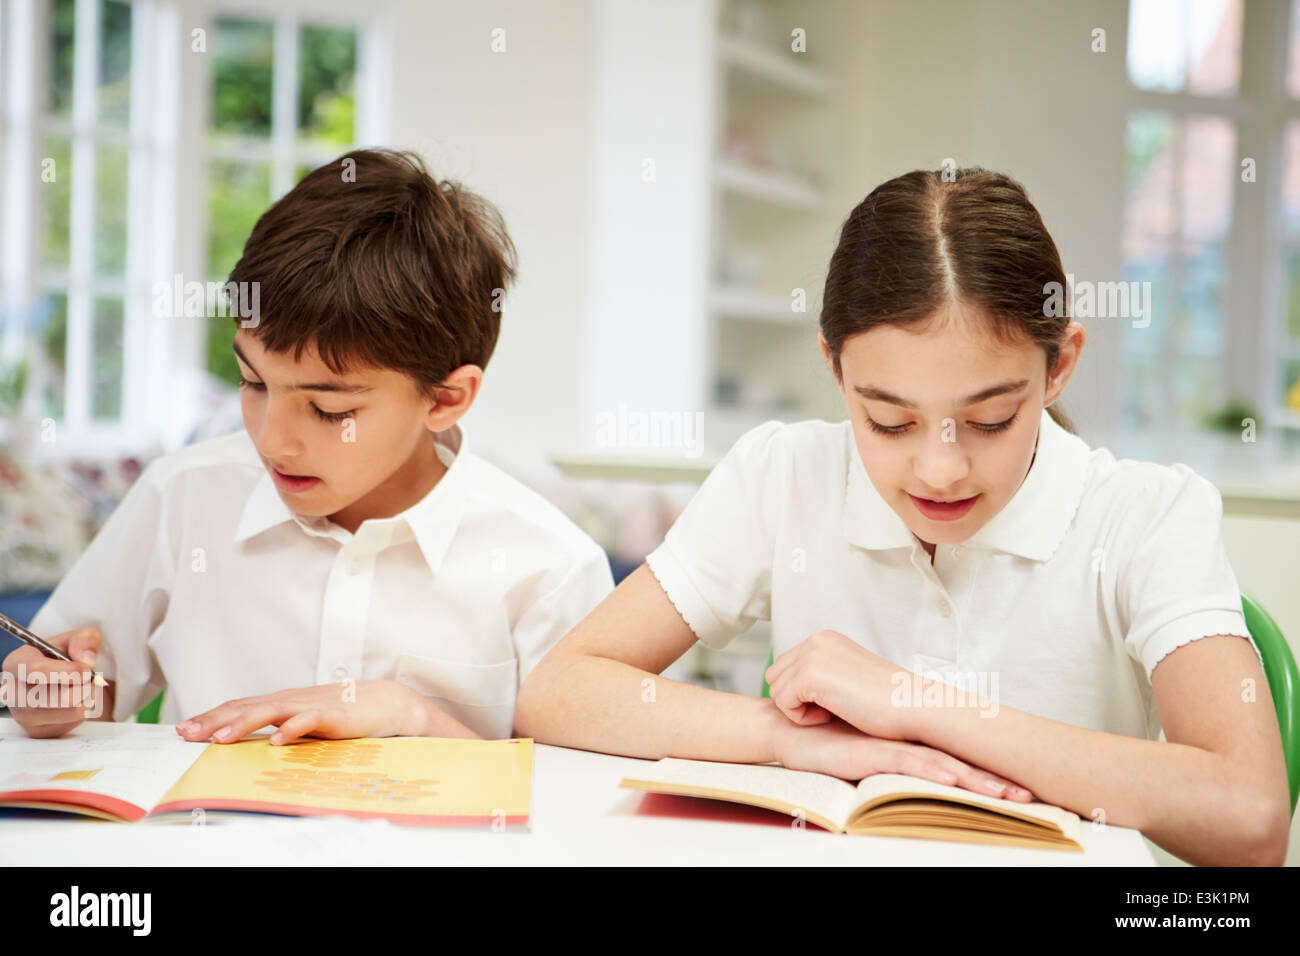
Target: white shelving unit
710	207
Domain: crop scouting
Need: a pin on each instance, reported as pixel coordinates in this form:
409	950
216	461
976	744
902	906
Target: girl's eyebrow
880	395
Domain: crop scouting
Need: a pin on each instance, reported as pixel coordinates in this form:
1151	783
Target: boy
347	545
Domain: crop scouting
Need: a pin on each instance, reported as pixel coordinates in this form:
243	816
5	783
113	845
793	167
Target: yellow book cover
113	774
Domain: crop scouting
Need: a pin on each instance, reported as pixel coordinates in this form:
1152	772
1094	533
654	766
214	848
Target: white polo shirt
1061	604
204	581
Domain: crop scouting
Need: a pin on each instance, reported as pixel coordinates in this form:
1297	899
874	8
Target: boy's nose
277	439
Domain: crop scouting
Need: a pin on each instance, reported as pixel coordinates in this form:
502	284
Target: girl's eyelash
896	431
333	418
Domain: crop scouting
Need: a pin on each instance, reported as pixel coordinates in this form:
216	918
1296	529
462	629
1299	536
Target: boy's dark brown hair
376	264
924	238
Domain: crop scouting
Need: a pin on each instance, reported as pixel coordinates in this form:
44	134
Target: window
1212	211
1181	167
119	185
283	101
80	125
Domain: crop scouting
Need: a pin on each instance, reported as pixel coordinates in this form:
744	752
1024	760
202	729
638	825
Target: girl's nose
941	465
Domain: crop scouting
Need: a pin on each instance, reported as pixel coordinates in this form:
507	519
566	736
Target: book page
874	789
413	780
132	765
763	785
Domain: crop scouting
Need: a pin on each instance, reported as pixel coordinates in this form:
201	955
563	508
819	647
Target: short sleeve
1176	585
715	562
560	610
120	586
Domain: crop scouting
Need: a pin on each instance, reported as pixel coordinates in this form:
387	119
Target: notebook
134	772
885	804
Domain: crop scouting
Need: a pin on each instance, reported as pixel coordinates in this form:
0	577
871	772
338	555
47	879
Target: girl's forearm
595	703
1192	802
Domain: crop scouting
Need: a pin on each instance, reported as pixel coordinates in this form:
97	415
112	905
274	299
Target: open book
885	804
131	772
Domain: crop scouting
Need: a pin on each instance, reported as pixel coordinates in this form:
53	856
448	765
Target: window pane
221	357
115	62
56	201
327	66
1178	215
110	209
1291	384
1191	46
106	360
238	193
54	341
62	20
1291	301
243	52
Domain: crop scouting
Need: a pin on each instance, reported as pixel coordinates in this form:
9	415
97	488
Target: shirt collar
1032	524
432	520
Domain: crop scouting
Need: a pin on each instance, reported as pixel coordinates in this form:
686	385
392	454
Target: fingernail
997	787
947	777
188	727
223	733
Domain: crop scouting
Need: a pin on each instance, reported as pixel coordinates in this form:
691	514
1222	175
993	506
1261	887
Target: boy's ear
454	397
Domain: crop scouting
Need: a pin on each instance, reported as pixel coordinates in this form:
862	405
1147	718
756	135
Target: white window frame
166	210
1252	303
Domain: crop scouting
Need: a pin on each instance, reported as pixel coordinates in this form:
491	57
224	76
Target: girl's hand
832	675
841	751
369	708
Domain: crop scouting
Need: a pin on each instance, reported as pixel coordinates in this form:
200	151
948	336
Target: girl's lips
943	510
295	484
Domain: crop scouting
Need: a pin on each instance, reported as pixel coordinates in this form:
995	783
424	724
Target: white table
579	816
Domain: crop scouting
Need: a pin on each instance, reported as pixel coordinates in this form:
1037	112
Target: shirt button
945	609
956	551
340	673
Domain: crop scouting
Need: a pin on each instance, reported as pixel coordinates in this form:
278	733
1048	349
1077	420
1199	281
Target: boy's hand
365	708
69	695
843	751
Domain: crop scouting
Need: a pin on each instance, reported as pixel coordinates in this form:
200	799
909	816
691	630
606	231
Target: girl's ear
1067	357
826	354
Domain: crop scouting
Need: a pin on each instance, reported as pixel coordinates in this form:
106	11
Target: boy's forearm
1192	802
595	703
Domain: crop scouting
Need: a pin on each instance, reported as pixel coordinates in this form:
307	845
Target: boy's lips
293	483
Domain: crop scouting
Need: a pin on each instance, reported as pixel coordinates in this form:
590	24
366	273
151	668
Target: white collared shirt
1060	605
204	581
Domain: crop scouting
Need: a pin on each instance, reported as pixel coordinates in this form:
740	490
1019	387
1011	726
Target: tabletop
579	816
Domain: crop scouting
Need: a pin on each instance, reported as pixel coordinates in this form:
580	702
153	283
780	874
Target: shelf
754	305
774	188
656	469
773	68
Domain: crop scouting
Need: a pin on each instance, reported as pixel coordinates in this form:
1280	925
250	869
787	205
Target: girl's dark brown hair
377	264
919	241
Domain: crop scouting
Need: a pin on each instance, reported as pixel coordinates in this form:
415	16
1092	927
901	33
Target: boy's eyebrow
313	387
880	395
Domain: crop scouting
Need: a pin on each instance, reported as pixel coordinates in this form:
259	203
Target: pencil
11	626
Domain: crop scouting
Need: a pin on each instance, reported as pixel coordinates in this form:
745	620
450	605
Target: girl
959	588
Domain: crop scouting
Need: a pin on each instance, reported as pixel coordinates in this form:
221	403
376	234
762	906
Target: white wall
516	128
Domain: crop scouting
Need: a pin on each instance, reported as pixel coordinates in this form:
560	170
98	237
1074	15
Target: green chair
149	713
1283	682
